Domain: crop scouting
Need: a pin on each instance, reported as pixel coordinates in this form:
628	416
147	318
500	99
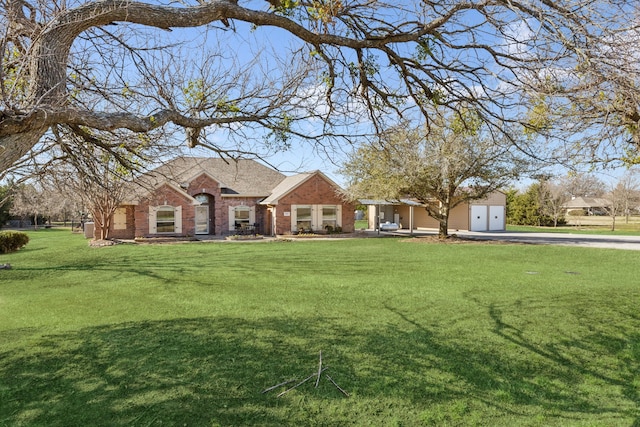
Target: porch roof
390	202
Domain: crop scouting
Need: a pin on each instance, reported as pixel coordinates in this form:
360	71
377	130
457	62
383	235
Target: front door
202	219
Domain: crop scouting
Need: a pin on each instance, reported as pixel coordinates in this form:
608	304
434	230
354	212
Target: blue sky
242	45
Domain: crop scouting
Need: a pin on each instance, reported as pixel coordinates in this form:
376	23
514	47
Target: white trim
294	218
177	219
232	215
232	218
153	221
316	216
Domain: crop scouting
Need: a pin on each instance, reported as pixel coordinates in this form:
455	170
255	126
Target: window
315	217
202	199
165	220
329	217
303	218
241	217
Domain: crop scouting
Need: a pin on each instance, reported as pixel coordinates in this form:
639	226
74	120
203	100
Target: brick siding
314	191
165	195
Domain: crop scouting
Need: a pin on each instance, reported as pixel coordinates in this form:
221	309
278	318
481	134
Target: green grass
417	334
361	224
589	225
605	230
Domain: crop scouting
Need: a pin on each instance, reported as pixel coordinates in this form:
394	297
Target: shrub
11	241
332	230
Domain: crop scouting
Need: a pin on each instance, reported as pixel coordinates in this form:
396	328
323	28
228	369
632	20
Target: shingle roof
241	177
290	183
587	202
285	186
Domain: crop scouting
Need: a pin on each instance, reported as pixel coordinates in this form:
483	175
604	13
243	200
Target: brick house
308	202
191	196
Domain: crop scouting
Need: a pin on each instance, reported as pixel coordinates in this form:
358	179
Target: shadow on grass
162	271
210	371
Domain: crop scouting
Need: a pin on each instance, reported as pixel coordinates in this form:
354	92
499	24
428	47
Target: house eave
392	202
244	196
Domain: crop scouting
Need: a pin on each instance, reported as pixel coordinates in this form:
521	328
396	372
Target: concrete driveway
566	239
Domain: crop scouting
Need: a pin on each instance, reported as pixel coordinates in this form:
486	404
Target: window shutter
339	215
153	226
120	219
252	215
316	217
177	219
232	218
294	217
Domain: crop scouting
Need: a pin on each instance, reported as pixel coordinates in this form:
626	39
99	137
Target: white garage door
478	218
496	218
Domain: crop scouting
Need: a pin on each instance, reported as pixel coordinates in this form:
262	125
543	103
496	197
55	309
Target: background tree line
543	203
30	205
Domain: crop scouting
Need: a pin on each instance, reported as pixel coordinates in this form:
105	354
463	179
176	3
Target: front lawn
588	229
588	225
416	334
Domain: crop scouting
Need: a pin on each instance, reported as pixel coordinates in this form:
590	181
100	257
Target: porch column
411	220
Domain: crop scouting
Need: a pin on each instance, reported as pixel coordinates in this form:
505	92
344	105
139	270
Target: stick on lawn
337	386
319	370
276	386
300	383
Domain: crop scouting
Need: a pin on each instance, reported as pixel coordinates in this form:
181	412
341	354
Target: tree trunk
16	146
443	230
101	221
106	227
440	214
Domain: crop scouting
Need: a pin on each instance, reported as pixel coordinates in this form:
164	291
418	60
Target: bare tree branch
102	65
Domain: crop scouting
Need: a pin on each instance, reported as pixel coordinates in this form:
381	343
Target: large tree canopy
86	67
456	160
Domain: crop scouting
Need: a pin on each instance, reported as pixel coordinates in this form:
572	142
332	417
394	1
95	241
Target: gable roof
587	202
290	183
242	177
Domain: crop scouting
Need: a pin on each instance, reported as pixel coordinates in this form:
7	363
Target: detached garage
488	214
